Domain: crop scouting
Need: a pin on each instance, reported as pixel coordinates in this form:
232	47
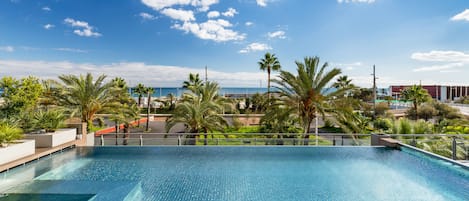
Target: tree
417	94
140	91
123	109
199	111
20	96
84	96
269	63
343	83
306	90
149	91
193	83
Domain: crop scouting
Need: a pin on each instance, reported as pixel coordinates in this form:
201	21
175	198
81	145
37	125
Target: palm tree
83	96
417	94
193	83
140	91
149	91
123	109
343	82
199	111
269	63
306	90
49	93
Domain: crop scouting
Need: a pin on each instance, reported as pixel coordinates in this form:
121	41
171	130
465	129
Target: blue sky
158	42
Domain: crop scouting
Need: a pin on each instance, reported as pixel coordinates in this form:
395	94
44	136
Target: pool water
241	173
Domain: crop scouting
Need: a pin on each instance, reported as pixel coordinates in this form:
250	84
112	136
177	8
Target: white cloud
213	14
440	68
348	66
85	29
231	12
185	20
461	16
86	33
160	4
356	1
450	59
202	5
276	34
255	47
65	49
49	26
262	3
7	48
215	30
46	8
132	72
179	14
249	23
147	16
441	56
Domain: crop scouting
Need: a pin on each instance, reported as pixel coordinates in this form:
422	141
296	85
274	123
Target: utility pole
374	92
206	74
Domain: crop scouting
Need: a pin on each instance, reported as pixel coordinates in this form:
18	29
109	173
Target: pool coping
454	162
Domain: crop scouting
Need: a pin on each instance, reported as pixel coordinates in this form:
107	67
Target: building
438	92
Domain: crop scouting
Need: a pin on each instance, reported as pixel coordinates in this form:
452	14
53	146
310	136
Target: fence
455	146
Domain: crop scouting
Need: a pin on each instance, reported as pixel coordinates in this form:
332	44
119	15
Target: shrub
50	120
422	127
405	126
382	124
9	133
381	108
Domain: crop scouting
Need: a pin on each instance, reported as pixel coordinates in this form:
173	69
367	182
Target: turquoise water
241	173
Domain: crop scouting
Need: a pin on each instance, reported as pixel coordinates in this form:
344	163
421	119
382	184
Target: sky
159	42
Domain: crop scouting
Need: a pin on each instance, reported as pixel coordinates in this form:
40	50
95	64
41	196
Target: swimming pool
239	173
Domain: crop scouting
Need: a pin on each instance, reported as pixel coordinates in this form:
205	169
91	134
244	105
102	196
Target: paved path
463	108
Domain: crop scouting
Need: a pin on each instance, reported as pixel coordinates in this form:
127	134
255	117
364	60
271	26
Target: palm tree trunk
268	84
306	137
126	134
148	113
416	113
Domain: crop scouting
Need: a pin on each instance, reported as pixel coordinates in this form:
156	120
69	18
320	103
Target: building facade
438	92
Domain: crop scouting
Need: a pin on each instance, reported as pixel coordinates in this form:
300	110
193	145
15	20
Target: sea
227	91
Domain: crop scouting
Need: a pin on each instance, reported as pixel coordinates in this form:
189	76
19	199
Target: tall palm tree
149	91
193	83
343	82
140	91
417	94
85	96
199	111
123	109
269	63
306	90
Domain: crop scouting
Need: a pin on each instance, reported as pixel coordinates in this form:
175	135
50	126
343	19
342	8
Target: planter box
16	151
59	137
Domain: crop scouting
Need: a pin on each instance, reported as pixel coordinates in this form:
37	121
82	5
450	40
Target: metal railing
454	146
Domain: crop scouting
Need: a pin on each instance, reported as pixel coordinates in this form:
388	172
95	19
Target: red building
438	92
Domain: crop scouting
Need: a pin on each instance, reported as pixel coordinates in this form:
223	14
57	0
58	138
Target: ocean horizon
178	91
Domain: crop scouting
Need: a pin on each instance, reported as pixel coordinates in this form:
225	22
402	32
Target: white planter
16	151
56	138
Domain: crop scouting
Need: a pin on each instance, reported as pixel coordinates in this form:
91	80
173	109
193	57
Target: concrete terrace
39	153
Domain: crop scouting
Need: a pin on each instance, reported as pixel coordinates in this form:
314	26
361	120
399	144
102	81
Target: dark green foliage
49	120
